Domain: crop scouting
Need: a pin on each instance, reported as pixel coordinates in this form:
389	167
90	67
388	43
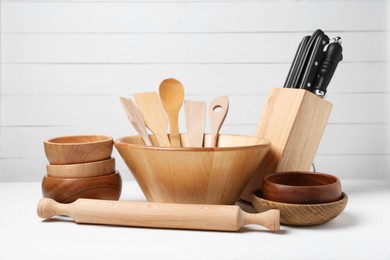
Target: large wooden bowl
67	190
78	149
81	170
194	175
301	187
301	214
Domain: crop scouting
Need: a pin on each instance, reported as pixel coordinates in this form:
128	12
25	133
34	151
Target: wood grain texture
301	187
158	215
155	116
172	96
78	149
218	110
195	112
214	175
302	214
82	170
293	120
135	119
67	190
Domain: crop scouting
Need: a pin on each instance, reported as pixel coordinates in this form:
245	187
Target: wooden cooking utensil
159	215
217	113
136	119
155	116
195	122
172	96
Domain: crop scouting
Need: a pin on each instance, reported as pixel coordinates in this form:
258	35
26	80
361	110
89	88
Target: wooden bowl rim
68	170
255	196
328	176
77	164
264	143
52	141
82	178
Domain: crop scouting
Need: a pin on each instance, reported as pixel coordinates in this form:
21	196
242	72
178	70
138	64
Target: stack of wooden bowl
303	198
81	167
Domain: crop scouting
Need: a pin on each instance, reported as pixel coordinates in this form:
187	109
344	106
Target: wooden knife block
293	121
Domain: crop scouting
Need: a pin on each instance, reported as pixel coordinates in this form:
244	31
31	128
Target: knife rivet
316	63
308	84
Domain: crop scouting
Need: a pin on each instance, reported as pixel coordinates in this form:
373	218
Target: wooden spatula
195	121
217	113
155	116
135	119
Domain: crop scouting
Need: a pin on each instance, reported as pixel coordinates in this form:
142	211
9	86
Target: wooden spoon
217	112
172	96
195	122
155	116
135	119
158	215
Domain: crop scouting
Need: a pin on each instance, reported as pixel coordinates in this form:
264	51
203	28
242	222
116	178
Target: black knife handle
298	56
313	62
328	66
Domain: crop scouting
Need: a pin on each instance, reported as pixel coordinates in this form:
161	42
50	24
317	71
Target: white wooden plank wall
64	64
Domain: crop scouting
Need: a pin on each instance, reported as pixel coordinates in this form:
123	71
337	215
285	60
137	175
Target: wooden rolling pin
158	215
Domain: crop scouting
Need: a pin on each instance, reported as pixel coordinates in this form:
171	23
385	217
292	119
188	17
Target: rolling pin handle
269	219
48	208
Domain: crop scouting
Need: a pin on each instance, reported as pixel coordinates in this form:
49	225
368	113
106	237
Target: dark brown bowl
301	188
67	190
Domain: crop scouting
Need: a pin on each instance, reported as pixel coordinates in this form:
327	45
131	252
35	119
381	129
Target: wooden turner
155	116
195	122
135	119
158	215
217	112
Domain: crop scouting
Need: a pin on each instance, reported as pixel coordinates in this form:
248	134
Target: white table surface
360	232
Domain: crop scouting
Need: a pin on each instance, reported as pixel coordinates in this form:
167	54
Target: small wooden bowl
67	190
81	170
78	149
208	175
301	187
301	214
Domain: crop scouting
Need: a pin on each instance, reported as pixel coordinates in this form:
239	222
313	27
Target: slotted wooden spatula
217	112
195	122
155	116
135	119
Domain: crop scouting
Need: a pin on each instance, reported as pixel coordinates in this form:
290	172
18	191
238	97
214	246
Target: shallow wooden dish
78	149
81	170
67	190
301	214
301	187
213	175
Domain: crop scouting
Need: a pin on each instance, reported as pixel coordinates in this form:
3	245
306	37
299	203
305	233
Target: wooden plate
301	214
